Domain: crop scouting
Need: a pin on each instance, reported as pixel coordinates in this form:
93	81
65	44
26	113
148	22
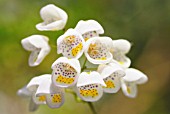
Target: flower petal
35	82
108	70
121	45
90	93
129	88
122	60
89	25
38	44
134	75
87	78
33	106
24	92
65	72
56	98
54	18
97	50
70	44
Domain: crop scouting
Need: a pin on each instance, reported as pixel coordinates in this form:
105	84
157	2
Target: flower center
56	98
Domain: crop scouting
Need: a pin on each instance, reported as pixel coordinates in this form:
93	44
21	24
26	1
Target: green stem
92	107
84	65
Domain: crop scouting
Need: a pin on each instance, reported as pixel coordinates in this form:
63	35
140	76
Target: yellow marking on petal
63	79
121	62
77	49
56	98
89	93
69	39
88	72
86	39
128	90
102	58
42	98
109	84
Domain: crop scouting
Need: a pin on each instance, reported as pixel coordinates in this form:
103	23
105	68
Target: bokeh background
145	23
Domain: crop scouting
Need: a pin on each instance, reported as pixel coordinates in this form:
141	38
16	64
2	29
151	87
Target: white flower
39	47
97	50
111	75
41	91
119	50
89	28
54	18
70	44
89	86
130	80
65	72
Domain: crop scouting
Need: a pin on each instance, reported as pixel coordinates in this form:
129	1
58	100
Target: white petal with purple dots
53	96
71	44
65	72
97	50
54	18
89	86
39	47
89	28
111	75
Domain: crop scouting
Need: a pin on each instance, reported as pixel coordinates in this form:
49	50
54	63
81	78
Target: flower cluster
83	43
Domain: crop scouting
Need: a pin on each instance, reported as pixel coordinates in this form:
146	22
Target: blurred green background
145	23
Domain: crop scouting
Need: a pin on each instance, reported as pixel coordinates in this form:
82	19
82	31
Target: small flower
111	75
97	50
89	29
54	18
70	44
39	47
130	80
41	91
119	50
65	72
89	86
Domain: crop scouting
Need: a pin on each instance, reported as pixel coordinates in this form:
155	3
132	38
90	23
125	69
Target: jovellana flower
97	50
111	75
130	80
65	72
54	18
70	44
39	47
89	28
89	86
41	91
119	50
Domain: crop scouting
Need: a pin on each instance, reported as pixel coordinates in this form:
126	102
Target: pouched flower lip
89	28
89	86
65	72
97	50
39	47
111	74
54	18
71	44
119	50
130	80
41	91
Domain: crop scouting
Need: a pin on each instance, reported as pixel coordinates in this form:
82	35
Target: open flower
111	75
39	47
119	50
97	50
130	80
54	18
65	72
89	28
70	44
89	86
41	91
